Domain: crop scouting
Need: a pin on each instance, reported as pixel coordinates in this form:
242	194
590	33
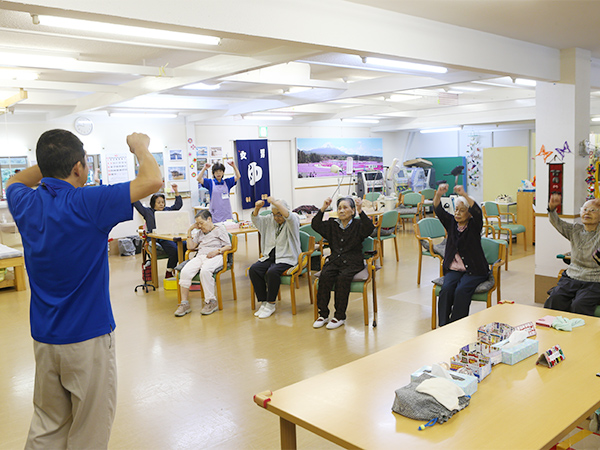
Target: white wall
108	138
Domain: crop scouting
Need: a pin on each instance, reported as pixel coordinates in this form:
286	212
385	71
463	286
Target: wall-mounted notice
116	168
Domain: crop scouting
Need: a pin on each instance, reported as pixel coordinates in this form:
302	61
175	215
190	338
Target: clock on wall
83	126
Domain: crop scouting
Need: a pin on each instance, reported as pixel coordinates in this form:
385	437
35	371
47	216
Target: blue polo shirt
208	183
65	234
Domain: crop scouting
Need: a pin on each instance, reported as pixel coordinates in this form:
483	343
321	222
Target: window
9	165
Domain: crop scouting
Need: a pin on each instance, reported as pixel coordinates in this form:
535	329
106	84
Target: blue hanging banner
253	163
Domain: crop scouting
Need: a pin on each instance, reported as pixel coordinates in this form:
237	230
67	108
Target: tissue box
467	383
494	332
519	352
471	358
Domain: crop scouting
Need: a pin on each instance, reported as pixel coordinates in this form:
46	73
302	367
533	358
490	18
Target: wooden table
179	239
523	406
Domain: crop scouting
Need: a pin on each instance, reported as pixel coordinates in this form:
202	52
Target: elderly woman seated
465	265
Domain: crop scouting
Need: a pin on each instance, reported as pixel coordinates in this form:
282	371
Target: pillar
562	116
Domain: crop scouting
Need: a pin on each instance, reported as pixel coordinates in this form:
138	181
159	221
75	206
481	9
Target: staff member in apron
218	188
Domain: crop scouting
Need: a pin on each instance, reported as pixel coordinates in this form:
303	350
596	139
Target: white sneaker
183	309
334	323
320	322
268	310
259	310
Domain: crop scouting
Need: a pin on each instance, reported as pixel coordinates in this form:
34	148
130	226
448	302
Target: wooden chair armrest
236	216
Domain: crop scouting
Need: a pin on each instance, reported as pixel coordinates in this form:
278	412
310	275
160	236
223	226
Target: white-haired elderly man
280	243
578	290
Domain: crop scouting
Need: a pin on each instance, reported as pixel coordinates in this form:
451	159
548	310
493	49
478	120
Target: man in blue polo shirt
65	229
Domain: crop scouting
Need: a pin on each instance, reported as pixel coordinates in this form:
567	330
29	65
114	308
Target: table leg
20	278
153	256
288	434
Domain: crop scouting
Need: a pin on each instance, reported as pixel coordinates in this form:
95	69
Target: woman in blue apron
218	188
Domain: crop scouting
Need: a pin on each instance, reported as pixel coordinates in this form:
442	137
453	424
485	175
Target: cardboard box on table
470	357
494	332
468	383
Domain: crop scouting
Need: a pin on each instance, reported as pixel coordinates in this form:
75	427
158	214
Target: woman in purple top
218	189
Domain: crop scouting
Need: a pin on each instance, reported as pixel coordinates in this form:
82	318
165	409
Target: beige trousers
75	394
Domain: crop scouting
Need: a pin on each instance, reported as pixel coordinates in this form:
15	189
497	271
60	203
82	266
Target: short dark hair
350	201
218	166
153	199
204	214
57	152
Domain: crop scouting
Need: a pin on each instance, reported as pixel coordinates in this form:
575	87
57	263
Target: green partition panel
444	165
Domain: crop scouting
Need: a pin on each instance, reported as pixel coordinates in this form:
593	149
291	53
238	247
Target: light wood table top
524	406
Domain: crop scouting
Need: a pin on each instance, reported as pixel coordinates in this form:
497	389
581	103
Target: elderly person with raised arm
280	242
345	235
578	289
465	265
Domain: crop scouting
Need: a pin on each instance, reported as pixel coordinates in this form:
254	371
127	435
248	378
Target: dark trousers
265	277
455	296
580	297
341	275
170	249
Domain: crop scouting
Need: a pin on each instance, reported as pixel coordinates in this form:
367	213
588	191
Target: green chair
428	194
319	241
372	196
386	229
490	211
426	230
228	266
360	282
490	229
494	252
290	277
410	207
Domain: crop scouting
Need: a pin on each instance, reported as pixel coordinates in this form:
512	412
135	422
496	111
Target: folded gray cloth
420	406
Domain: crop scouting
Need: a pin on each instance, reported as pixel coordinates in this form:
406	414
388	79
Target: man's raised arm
149	178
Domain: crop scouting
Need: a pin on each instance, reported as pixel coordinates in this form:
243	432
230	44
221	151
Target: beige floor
187	383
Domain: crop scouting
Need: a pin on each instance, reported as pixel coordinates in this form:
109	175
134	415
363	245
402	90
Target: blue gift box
467	383
519	352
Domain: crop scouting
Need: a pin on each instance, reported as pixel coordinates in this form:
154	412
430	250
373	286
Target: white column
562	115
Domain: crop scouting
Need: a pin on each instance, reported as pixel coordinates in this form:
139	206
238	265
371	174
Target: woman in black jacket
157	203
465	266
345	235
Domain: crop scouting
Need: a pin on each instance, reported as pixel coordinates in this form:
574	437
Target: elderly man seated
578	290
280	242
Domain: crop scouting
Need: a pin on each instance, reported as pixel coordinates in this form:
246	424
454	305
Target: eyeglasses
590	210
278	215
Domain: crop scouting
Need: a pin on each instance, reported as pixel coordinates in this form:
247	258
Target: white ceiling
259	69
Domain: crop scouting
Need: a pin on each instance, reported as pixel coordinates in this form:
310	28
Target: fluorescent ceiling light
402	97
22	75
267	117
360	121
126	30
297	89
142	115
525	82
202	87
35	60
595	119
405	65
440	130
466	88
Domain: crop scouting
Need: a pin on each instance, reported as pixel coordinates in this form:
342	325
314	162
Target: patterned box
494	332
473	361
